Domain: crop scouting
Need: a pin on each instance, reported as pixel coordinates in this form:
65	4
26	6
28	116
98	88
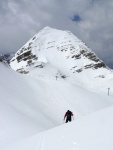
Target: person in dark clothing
68	115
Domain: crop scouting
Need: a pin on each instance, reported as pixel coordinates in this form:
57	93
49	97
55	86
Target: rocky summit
53	52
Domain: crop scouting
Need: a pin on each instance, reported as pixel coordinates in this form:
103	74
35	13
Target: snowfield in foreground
89	133
30	105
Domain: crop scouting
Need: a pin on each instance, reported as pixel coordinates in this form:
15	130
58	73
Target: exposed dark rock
34	38
95	66
29	62
39	66
79	70
24	56
88	66
99	65
29	47
76	56
22	71
63	76
91	56
35	57
74	66
19	69
30	43
82	51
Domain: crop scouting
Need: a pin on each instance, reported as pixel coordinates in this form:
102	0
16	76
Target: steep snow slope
29	105
55	53
57	72
89	133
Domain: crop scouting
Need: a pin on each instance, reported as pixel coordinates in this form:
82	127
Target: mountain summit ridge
53	52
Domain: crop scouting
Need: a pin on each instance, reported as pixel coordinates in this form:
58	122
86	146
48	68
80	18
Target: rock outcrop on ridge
55	52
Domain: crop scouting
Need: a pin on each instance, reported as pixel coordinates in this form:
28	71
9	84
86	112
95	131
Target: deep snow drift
47	85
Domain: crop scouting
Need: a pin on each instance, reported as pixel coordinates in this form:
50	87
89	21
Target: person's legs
67	120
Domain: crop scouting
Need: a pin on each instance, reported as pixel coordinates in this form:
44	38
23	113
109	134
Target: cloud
89	20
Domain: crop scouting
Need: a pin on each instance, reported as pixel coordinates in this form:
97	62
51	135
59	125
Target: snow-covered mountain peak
53	52
59	69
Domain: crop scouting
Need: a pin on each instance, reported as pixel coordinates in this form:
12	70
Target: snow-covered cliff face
58	53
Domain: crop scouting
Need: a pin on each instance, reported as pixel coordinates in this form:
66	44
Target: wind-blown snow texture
57	72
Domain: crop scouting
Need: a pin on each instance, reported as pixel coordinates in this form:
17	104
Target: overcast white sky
89	20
